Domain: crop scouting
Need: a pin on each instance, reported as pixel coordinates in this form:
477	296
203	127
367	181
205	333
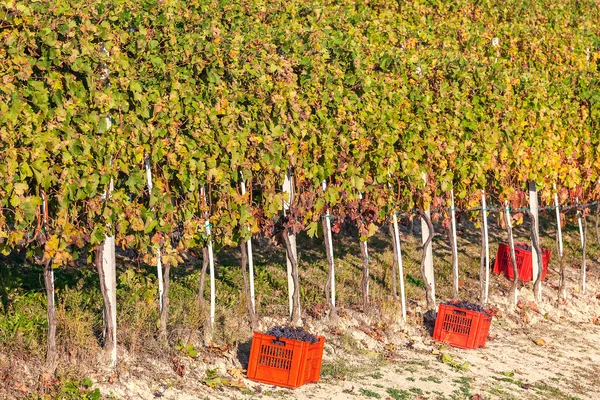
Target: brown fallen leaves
178	366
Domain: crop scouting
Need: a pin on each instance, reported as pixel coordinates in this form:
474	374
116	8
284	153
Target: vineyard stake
582	234
110	275
562	289
211	263
429	274
558	226
579	223
288	188
533	205
108	262
400	268
454	246
487	247
250	262
513	258
330	240
158	253
211	267
365	255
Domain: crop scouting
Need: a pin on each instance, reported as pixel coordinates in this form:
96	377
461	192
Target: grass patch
369	393
416	390
398	394
464	388
340	369
433	379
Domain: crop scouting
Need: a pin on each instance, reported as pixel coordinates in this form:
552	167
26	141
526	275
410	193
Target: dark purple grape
467	305
292	332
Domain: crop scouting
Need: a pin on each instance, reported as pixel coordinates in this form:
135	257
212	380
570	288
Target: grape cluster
522	247
292	332
467	305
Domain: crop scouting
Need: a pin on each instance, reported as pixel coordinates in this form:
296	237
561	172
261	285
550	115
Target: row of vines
168	126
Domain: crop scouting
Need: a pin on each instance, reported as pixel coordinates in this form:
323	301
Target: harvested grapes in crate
286	356
462	324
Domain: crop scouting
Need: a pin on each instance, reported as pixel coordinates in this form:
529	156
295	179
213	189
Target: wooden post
513	258
51	350
400	268
288	188
428	261
211	264
562	288
110	283
558	224
364	251
159	270
330	241
109	266
454	247
250	262
533	206
579	223
582	234
487	247
108	262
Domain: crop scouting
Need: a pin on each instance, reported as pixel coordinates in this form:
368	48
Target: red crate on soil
285	362
462	328
503	263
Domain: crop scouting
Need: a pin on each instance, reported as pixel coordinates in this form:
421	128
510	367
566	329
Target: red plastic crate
503	262
462	328
285	362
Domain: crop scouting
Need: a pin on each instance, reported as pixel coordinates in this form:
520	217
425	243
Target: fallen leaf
446	358
540	342
237	373
178	366
238	383
533	306
215	382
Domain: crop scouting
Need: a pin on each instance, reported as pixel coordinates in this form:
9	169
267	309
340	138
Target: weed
434	379
349	344
464	388
339	369
369	393
416	390
398	394
416	362
418	282
80	390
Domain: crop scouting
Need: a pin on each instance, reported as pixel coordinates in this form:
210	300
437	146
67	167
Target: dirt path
551	353
546	352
